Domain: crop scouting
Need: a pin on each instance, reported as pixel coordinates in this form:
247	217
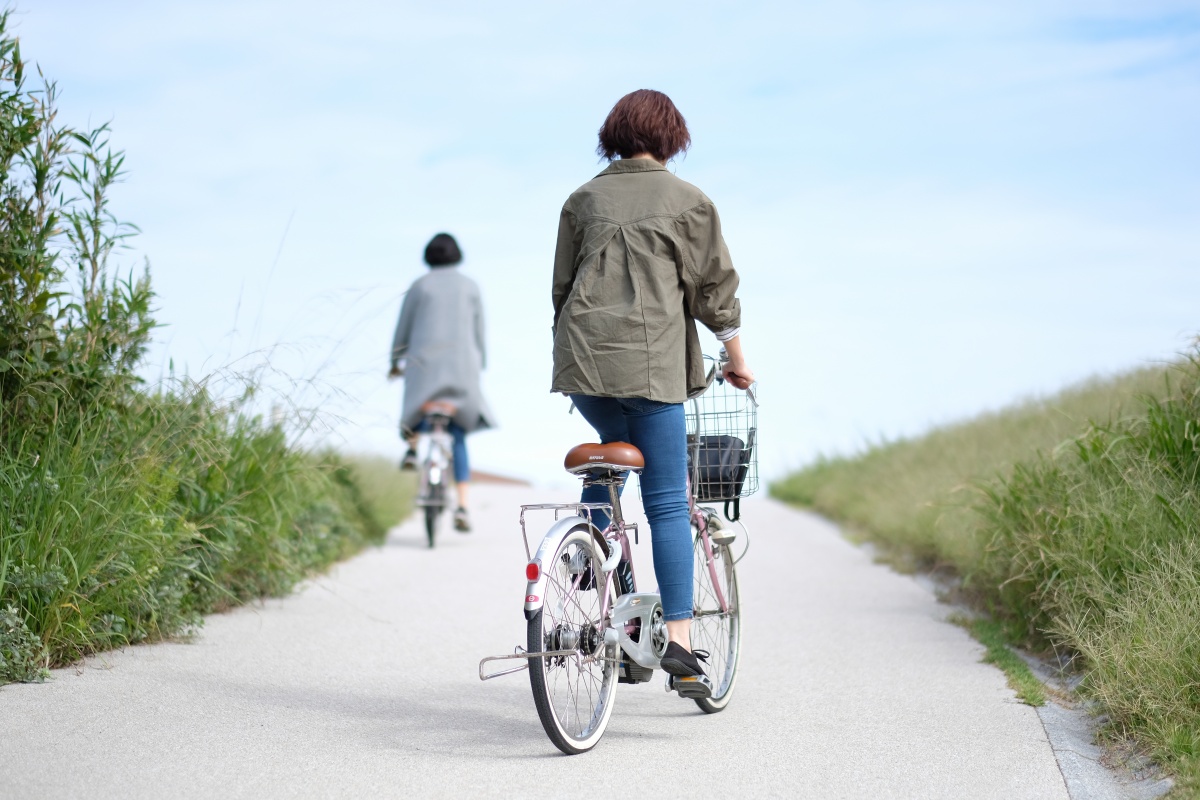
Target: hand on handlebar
738	374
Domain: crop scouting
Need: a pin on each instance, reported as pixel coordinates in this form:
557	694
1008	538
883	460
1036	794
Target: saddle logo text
595	458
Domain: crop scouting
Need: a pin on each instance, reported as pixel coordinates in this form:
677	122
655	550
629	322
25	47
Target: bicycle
588	628
435	453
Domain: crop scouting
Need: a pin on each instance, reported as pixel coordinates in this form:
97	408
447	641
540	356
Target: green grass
386	493
1074	522
915	497
130	528
995	640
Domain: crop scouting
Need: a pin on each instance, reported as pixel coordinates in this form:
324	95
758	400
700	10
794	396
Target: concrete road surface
365	684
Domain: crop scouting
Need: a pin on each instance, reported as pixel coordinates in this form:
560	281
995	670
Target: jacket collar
624	165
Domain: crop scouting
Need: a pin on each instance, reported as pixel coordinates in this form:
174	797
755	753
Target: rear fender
535	591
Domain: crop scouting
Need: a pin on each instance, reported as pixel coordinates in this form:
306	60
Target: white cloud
937	206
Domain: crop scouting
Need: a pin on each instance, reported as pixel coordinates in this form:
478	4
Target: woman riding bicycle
439	340
640	258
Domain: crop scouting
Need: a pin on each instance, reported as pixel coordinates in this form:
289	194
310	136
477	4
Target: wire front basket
722	429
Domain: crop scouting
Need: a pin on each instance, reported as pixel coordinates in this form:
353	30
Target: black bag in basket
719	467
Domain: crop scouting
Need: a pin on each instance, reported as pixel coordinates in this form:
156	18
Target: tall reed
127	513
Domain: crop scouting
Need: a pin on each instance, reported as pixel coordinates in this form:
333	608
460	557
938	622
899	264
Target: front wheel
574	691
434	501
431	516
716	626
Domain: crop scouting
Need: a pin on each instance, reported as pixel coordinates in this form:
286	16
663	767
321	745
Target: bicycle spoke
578	687
713	628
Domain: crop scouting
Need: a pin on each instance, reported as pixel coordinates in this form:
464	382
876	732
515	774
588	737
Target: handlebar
717	373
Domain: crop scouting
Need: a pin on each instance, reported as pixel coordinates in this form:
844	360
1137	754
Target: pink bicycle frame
618	535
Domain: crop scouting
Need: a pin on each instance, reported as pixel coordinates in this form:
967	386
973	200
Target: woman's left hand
739	374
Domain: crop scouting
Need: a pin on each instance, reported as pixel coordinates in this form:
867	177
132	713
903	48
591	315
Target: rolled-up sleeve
565	254
710	281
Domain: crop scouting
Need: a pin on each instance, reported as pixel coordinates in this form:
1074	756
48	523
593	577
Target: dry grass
914	496
1075	522
387	492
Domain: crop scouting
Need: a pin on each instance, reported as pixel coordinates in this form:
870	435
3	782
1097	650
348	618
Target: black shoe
462	523
679	662
685	673
409	461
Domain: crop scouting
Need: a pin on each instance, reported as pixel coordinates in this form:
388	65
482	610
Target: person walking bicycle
439	348
640	259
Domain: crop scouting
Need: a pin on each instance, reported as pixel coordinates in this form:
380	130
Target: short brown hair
644	121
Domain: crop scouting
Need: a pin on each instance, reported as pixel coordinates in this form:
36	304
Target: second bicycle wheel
716	625
574	691
434	503
431	518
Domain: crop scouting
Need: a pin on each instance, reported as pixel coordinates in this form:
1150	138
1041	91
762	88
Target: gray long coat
440	333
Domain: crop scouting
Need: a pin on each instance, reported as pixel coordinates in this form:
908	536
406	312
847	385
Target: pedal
721	534
690	687
634	673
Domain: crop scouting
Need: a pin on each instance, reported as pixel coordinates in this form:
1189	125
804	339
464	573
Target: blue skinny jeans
658	430
462	466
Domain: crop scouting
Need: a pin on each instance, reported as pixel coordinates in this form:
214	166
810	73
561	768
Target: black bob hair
442	251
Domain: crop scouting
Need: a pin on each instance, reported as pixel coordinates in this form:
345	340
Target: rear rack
582	509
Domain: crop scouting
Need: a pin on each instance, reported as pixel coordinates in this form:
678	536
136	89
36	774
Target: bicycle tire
431	517
720	633
434	503
558	625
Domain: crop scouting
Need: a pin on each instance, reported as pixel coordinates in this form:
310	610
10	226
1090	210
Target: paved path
364	685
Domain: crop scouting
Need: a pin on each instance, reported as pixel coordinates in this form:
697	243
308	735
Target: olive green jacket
640	258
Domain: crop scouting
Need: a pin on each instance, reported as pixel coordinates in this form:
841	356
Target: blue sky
936	207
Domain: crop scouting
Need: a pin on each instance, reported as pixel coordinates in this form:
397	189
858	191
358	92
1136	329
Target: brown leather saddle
442	407
597	459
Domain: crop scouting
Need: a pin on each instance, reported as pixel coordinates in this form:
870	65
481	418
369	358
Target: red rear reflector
532	571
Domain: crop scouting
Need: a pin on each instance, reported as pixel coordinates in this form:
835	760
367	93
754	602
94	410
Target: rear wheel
573	692
715	628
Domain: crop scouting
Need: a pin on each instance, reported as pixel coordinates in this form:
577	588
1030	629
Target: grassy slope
126	514
388	492
1073	535
914	496
129	527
